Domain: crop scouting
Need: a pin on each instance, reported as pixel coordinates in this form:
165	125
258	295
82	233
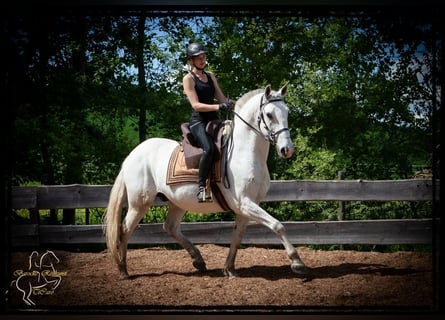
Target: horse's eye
269	115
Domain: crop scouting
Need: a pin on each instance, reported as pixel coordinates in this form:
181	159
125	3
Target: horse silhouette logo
41	277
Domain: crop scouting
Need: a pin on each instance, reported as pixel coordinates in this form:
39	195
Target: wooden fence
411	231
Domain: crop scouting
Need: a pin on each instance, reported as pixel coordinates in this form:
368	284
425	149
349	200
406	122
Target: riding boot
204	195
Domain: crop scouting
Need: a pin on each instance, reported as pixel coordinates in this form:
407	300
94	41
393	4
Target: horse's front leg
237	236
254	212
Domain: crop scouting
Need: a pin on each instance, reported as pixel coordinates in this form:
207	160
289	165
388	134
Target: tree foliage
86	89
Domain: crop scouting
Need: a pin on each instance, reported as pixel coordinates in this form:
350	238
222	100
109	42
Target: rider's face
200	61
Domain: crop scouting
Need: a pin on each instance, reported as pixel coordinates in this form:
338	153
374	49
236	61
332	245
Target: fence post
341	204
53	216
34	216
69	216
87	215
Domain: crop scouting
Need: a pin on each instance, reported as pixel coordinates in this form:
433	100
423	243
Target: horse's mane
241	101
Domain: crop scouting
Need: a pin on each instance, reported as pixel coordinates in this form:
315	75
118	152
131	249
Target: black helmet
195	49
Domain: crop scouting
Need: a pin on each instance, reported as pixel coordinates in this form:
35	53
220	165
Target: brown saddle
192	151
184	161
183	165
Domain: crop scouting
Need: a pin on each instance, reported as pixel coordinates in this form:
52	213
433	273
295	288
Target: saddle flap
187	135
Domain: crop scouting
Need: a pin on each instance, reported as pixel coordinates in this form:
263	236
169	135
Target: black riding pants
198	130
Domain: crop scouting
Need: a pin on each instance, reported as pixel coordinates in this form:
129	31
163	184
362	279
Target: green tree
353	89
360	89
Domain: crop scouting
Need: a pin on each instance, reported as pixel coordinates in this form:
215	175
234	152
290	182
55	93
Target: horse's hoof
299	268
200	266
124	276
231	274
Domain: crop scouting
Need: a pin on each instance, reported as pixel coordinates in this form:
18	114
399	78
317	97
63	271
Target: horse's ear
267	91
283	90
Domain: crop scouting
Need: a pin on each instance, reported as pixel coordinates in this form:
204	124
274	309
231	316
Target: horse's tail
113	213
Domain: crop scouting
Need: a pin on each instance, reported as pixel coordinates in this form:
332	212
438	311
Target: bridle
271	135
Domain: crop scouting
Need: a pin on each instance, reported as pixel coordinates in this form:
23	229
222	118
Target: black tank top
206	94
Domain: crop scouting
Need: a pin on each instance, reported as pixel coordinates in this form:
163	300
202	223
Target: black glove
226	106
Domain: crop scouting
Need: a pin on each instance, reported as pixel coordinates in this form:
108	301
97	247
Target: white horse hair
261	120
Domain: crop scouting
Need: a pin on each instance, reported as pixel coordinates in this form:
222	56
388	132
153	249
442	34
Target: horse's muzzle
287	151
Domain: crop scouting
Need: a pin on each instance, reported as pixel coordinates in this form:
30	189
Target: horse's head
48	259
272	121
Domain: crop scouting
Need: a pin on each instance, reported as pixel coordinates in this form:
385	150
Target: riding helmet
195	49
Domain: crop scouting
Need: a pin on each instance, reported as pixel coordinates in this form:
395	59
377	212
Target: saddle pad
178	172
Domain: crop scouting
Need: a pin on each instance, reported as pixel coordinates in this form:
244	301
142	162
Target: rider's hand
226	106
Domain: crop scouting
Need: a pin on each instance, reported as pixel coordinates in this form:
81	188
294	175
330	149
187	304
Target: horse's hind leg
131	220
172	226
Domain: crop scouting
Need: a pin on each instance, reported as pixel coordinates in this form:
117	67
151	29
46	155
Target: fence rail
412	231
382	232
96	196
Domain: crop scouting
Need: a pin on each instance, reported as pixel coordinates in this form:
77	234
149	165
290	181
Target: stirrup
204	195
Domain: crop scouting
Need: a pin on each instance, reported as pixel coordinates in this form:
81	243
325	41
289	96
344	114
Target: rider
202	89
